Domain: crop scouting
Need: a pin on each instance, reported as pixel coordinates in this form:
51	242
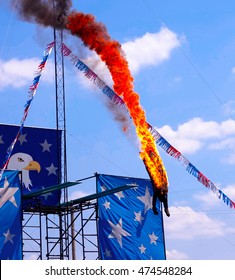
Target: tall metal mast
57	237
56	219
61	128
60	104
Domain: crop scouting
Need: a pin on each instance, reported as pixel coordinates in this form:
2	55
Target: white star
138	217
45	146
147	200
22	139
117	231
46	195
142	249
7	194
1	141
135	186
153	238
107	253
9	237
103	188
106	205
51	169
120	195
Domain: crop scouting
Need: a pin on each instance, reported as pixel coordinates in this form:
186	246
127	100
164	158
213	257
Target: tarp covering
127	226
36	155
10	217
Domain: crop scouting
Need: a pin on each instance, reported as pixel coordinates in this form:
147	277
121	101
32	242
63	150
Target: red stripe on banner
173	152
203	179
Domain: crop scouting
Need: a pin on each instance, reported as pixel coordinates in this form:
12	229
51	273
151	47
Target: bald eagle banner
36	155
10	217
127	226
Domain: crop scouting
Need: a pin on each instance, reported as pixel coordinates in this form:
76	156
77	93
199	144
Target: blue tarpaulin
127	226
10	217
36	155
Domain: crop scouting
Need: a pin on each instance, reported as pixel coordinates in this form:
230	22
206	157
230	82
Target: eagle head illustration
25	163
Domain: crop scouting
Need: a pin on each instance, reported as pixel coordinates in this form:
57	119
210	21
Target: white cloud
185	144
99	67
207	200
230	159
175	255
31	257
18	73
226	144
178	79
151	49
78	194
230	191
187	224
210	199
148	50
229	107
191	136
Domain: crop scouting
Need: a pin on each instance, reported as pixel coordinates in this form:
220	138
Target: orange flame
96	37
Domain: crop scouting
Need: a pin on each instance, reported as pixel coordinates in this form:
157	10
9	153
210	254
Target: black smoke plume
44	12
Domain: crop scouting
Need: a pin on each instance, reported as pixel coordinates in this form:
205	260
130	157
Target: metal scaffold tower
81	231
42	233
55	220
56	236
64	231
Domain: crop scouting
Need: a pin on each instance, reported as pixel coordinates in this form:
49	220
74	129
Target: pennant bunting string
92	76
159	139
31	94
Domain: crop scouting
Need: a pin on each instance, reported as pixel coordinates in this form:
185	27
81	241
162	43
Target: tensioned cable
206	227
99	154
7	35
200	75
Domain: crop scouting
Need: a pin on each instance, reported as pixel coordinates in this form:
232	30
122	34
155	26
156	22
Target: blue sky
181	55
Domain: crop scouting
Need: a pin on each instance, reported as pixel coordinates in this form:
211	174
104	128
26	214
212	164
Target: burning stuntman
159	192
162	195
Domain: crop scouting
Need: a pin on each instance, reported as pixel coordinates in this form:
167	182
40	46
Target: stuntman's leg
154	203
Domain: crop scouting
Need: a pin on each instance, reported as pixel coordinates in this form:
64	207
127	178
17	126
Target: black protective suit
162	196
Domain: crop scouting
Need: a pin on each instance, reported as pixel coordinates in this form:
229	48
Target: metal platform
44	239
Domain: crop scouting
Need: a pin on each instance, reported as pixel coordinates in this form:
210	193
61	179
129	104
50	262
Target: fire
96	37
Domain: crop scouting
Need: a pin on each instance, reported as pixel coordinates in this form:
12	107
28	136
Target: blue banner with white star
36	155
127	226
10	217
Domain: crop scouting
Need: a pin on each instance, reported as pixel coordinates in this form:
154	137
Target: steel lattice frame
62	168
